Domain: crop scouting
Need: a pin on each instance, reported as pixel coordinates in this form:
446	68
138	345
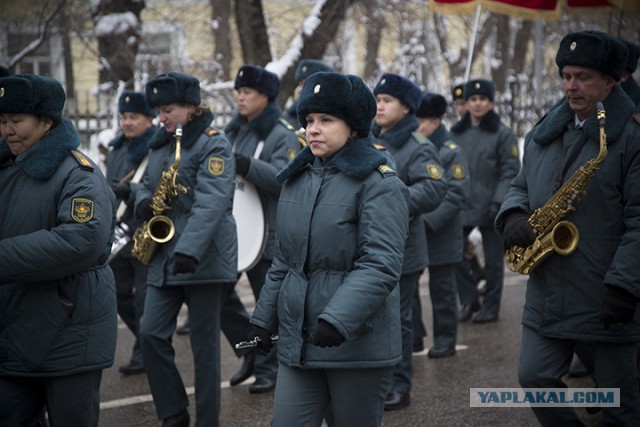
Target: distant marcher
418	166
335	308
194	265
491	149
630	86
128	149
459	103
444	232
263	144
304	69
57	293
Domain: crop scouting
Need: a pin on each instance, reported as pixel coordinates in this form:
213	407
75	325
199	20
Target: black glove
121	191
619	306
263	337
491	211
184	264
144	210
326	335
517	231
242	164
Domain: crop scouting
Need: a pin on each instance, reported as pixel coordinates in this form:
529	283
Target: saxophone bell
161	229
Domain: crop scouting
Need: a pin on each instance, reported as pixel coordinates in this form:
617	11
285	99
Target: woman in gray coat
331	292
58	319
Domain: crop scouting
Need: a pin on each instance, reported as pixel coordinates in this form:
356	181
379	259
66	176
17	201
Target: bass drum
250	223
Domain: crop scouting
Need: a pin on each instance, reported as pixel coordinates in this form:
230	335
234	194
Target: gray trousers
544	361
157	327
348	397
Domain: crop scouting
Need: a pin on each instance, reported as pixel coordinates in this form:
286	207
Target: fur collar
490	123
190	132
261	125
618	108
357	159
136	148
44	158
439	136
399	134
632	90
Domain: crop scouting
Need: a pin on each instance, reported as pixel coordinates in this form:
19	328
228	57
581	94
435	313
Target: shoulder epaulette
82	160
380	147
420	137
451	145
286	124
210	131
301	137
386	170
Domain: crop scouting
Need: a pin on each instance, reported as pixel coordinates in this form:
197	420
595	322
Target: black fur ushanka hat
593	49
172	88
31	94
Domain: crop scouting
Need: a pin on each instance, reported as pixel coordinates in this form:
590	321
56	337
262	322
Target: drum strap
122	207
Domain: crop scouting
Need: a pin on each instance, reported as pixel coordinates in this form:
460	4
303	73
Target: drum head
250	223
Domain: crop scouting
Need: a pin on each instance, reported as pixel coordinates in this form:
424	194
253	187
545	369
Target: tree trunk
314	45
252	32
117	44
376	24
222	53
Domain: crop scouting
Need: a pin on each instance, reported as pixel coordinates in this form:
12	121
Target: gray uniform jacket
203	218
281	145
419	167
565	293
125	156
57	299
444	224
341	227
491	149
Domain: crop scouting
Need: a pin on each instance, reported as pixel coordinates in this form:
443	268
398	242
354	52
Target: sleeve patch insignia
291	154
435	171
216	165
210	131
457	171
515	152
81	209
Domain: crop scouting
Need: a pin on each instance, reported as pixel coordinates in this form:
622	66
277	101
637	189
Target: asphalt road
487	357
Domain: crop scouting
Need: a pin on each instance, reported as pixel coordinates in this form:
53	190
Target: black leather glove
242	164
263	337
184	264
619	306
517	231
326	335
144	211
121	191
491	211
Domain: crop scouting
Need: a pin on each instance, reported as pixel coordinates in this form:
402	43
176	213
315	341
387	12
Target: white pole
473	43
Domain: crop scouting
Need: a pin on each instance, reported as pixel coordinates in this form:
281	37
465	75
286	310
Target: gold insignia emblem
127	99
459	92
155	90
457	171
515	151
304	69
240	73
291	154
434	170
81	209
383	81
216	165
316	89
1	92
477	85
385	168
573	46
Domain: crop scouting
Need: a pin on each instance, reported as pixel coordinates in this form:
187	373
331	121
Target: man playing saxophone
194	175
588	294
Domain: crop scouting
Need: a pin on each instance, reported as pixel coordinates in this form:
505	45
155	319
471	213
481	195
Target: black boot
246	370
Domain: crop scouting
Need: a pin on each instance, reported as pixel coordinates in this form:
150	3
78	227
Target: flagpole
473	43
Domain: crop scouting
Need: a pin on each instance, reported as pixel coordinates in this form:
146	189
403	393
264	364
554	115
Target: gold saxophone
552	233
159	229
